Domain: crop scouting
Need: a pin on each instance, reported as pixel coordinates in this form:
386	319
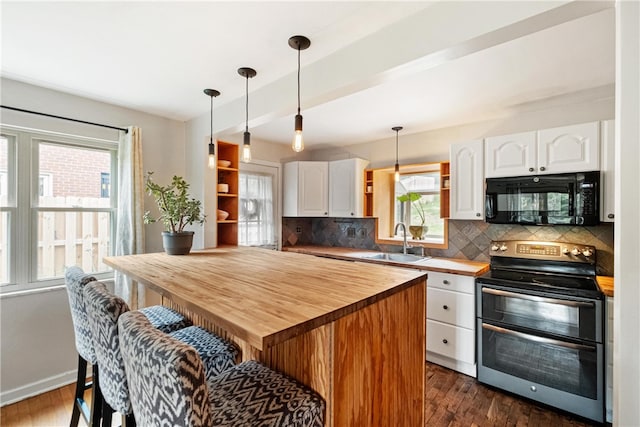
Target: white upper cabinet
306	189
607	172
510	155
563	149
467	180
569	149
324	188
346	186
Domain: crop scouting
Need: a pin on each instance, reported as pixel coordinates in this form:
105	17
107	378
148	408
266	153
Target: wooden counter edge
606	285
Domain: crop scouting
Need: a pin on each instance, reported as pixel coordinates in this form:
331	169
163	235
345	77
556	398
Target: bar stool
169	386
104	309
75	280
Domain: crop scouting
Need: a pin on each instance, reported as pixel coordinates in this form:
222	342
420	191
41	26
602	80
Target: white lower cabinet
451	321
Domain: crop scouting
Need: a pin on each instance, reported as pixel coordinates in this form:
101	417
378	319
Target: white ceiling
159	56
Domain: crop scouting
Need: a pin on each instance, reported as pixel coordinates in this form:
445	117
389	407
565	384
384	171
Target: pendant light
396	174
299	43
212	148
247	73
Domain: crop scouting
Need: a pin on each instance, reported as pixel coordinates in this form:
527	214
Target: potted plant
177	210
417	231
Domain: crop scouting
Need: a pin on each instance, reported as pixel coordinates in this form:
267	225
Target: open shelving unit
445	184
227	229
368	192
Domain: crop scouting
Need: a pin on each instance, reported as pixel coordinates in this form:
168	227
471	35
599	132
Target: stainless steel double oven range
540	325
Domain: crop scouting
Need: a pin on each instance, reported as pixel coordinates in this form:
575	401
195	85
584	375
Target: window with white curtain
53	213
256	220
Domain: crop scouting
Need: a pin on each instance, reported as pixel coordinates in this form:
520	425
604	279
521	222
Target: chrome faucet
404	236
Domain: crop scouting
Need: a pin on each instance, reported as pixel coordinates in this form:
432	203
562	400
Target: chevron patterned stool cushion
251	394
168	386
165	319
217	354
104	309
166	376
75	279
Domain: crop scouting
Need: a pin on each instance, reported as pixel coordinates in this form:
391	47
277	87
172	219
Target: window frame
23	254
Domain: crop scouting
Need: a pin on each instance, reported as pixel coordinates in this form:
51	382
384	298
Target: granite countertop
443	265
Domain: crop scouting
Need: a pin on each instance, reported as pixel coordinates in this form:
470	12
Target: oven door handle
536	338
537	298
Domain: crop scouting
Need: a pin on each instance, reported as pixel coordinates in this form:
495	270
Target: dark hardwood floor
452	399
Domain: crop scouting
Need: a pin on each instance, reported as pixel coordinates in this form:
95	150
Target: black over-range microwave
568	198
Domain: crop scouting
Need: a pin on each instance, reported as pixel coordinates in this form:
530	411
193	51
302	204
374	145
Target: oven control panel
558	251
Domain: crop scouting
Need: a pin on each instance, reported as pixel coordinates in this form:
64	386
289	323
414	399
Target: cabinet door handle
352	214
445	282
610	216
444	341
478	214
531	169
542	168
446	307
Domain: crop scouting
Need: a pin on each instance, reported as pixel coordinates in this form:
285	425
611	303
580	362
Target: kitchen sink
394	257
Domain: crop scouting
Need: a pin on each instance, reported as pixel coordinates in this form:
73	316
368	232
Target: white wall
36	341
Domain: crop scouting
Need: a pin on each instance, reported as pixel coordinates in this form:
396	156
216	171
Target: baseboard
36	388
456	365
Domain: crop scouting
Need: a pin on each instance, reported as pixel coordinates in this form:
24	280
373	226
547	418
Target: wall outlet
351	232
298	229
362	232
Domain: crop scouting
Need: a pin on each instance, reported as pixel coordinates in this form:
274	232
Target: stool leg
96	400
107	412
128	420
80	387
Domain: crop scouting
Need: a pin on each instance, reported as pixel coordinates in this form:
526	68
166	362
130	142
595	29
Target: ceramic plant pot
177	243
417	231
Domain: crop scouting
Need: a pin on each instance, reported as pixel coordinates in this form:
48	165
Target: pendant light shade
396	172
298	43
212	93
247	73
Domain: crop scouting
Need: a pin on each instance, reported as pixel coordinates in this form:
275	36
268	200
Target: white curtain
130	227
256	225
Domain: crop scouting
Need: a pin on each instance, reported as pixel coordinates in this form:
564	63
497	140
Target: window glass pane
4	248
72	238
424	208
72	176
4	171
5	216
256	226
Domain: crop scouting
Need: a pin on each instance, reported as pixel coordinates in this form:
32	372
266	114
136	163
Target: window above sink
429	183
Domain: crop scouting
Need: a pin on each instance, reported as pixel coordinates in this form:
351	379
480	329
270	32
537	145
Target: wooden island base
362	346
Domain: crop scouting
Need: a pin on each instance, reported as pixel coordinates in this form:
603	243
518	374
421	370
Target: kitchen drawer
455	308
451	341
451	282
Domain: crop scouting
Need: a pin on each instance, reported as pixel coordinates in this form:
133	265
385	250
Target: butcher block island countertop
354	332
443	265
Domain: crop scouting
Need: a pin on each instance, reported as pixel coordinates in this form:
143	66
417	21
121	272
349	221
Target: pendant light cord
246	122
298	79
396	147
211	134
